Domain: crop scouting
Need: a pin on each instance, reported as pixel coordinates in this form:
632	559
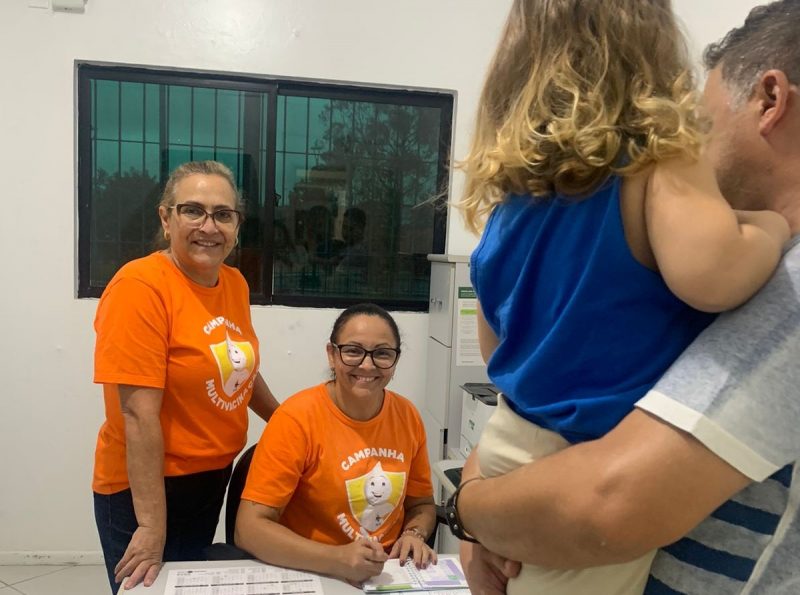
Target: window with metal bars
343	185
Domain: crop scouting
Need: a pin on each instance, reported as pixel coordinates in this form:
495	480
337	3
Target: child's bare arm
708	257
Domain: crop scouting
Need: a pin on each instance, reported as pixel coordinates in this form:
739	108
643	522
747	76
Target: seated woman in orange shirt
340	476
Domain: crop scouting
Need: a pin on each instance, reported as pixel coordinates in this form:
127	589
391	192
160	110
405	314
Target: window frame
271	87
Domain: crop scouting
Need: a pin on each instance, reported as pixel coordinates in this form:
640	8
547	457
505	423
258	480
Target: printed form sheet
250	580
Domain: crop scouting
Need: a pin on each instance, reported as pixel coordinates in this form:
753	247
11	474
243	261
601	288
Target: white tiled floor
53	580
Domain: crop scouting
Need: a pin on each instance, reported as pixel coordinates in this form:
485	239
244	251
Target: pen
365	534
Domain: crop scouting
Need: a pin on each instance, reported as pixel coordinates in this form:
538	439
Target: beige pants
509	441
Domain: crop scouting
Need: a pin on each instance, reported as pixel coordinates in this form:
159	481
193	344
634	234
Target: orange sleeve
419	476
278	461
132	336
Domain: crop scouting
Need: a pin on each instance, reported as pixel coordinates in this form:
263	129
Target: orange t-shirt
339	478
156	328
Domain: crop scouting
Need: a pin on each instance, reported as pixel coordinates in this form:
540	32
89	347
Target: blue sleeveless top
584	329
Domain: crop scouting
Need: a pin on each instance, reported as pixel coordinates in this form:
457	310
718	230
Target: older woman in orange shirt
178	359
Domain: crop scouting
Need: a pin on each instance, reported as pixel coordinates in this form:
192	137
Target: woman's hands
419	521
360	560
141	561
259	532
411	545
141	409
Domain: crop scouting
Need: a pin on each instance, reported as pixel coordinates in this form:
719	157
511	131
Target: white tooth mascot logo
236	360
375	495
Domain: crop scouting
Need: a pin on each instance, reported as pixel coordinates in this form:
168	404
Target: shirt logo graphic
374	496
236	360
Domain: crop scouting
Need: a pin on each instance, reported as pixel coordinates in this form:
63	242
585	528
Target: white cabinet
437	381
440	312
452	337
453	360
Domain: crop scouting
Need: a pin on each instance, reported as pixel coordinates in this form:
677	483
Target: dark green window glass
141	132
355	219
132	112
228	115
106	119
337	181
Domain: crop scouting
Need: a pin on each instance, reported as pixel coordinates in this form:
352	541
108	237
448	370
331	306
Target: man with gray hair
705	467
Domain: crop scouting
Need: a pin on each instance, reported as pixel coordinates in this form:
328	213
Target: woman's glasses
196	216
382	357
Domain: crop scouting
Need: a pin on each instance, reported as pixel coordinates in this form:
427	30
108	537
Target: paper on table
251	580
441	577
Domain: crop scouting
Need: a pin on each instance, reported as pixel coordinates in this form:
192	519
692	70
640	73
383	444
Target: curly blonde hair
579	90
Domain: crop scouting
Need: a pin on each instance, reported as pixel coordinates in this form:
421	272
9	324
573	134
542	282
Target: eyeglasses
196	216
382	357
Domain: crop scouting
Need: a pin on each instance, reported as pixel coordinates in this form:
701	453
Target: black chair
228	550
235	489
441	519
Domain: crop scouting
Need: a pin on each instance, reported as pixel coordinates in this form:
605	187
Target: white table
330	586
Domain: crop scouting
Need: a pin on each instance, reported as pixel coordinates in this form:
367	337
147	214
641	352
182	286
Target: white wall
50	411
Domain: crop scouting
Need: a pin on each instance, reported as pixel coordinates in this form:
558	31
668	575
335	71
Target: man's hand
142	559
361	560
487	573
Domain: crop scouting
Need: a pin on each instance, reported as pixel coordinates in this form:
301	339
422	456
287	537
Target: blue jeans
193	505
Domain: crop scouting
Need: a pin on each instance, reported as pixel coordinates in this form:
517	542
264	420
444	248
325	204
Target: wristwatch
452	517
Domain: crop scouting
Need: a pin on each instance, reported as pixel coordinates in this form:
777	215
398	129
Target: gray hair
769	38
209	168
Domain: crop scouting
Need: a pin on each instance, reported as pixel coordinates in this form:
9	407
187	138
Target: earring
236	242
166	235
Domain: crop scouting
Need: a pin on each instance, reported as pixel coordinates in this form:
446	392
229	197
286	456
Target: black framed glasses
196	215
353	355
